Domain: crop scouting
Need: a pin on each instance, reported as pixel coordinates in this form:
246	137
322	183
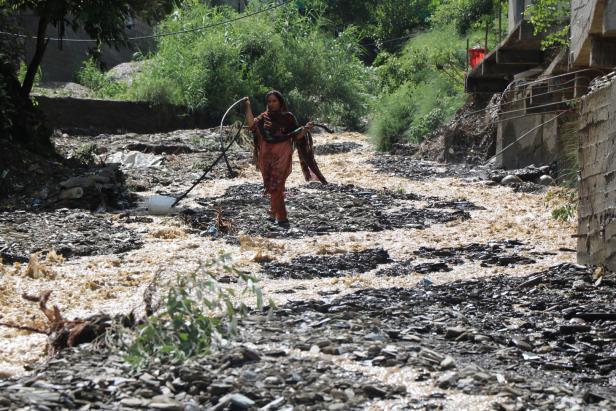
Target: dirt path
115	283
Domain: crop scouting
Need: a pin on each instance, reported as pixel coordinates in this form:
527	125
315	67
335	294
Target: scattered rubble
69	233
336	148
316	209
536	342
307	267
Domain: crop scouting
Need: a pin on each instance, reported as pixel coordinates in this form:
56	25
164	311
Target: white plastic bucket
160	204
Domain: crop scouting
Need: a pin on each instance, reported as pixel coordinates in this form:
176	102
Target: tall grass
320	74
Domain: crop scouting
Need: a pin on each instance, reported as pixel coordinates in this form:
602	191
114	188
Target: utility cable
172	33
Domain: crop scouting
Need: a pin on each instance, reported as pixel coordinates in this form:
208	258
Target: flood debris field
433	288
544	341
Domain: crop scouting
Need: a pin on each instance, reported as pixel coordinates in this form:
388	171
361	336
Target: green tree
378	20
551	17
397	18
103	20
465	15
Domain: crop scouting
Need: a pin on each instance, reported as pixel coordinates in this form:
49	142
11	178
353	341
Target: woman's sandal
283	223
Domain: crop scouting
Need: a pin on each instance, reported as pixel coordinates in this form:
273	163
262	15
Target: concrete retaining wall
597	191
105	116
539	147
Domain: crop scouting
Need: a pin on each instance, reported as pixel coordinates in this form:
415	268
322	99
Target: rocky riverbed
403	284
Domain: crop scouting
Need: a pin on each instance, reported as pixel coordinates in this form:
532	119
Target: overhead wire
166	34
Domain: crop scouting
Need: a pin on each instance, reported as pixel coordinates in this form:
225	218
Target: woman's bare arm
302	133
250	118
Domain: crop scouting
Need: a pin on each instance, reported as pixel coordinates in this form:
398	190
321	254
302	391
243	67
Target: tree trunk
41	45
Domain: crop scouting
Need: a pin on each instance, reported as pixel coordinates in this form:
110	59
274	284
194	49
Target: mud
348	331
183	155
499	253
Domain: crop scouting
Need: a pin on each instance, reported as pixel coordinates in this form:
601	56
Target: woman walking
275	130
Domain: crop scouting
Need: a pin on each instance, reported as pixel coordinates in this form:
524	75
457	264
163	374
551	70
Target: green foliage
103	21
563	203
380	20
198	312
569	163
396	18
92	77
465	15
21	73
552	17
421	88
321	75
85	154
564	213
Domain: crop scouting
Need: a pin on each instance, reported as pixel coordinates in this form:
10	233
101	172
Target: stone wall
93	116
597	189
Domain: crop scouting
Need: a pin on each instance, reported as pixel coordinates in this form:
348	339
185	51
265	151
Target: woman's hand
247	102
309	125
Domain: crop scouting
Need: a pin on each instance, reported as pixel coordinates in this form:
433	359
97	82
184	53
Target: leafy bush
92	77
198	313
380	20
208	70
552	17
564	213
562	202
421	88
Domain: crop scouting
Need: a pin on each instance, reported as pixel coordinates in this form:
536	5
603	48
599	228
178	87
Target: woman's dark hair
278	95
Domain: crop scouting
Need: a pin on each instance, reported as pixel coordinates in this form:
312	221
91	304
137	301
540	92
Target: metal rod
468	58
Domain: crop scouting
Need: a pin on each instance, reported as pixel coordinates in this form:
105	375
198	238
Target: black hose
207	170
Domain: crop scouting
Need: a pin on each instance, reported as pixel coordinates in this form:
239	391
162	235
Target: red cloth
274	160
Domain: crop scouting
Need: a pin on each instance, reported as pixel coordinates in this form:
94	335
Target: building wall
597	188
61	64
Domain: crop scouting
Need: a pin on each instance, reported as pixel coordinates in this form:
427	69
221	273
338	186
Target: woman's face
273	104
